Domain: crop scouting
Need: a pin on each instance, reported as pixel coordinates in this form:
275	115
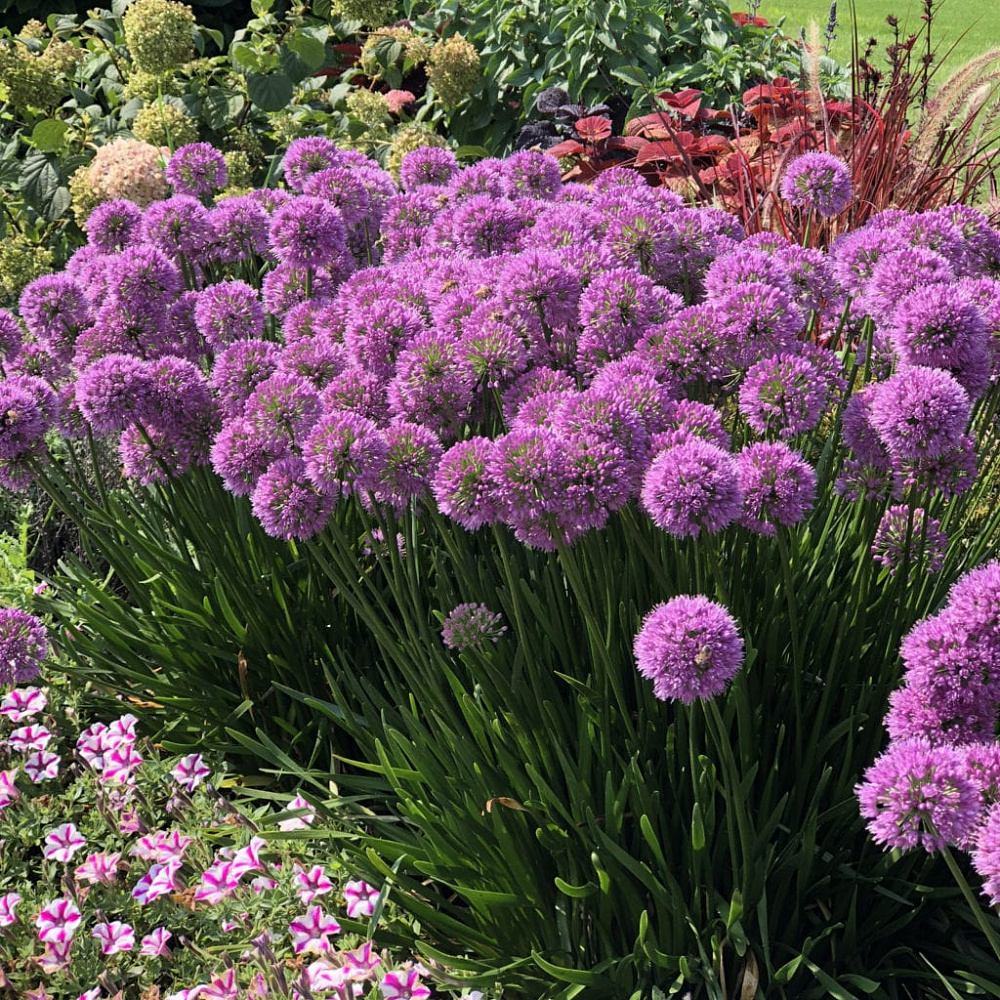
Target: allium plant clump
567	406
127	870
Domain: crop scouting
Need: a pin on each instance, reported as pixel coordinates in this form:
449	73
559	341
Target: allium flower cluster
471	626
817	182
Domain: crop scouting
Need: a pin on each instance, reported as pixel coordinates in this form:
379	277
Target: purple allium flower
411	455
341	449
689	648
340	187
11	336
375	334
462	486
855	254
484	177
616	309
975	602
430	386
778	486
492	353
986	853
817	182
813	285
143	280
23	646
308	156
640	387
761	320
787	394
197	169
241	226
287	285
113	392
858	432
428	165
55	310
240	454
902	536
529	174
937	326
358	391
471	626
319	360
407	222
228	311
691	487
686	419
950	473
307	232
27	410
743	264
239	369
113	225
919	412
481	226
179	226
286	504
564	227
688	241
919	795
917	712
538	293
283	408
696	344
933	231
153	453
898	273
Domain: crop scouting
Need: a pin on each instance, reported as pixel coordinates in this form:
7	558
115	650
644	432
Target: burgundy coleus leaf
687	103
593	129
632	142
664	150
568	147
709	145
653	126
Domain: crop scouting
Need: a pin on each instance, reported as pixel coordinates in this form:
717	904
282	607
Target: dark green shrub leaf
270	92
245	57
309	49
39	178
220	107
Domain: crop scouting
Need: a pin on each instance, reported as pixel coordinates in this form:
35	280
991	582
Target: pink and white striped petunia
8	790
311	931
56	956
160	880
362	960
311	884
404	984
101	867
31	737
154	944
120	765
217	882
42	765
63	842
91	745
247	859
222	987
8	903
306	814
91	994
122	731
190	772
361	898
114	937
161	846
322	977
57	921
22	703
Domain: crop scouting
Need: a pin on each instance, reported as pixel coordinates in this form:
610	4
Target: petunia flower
311	884
8	903
101	867
22	703
30	737
154	944
305	817
57	921
42	765
310	932
160	880
190	772
63	842
114	937
361	899
217	883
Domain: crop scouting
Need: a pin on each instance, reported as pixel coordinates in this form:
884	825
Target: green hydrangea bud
61	57
149	87
453	70
84	198
27	81
21	261
367	106
159	34
163	124
33	29
239	171
370	13
406	140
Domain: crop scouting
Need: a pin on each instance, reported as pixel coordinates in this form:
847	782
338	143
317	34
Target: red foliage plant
900	152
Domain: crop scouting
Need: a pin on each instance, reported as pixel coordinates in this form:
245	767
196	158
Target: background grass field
979	19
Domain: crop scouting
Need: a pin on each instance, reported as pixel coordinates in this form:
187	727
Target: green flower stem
974	905
793	625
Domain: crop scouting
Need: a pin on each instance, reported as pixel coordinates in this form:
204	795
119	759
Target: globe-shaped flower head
689	648
23	646
817	182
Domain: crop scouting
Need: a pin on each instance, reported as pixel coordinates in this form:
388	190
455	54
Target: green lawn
980	19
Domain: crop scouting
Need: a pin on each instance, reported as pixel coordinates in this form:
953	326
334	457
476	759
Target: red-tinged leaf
642	125
593	129
710	145
568	147
631	142
654	151
685	102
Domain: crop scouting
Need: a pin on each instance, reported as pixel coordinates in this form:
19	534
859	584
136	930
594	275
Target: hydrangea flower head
817	182
689	648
